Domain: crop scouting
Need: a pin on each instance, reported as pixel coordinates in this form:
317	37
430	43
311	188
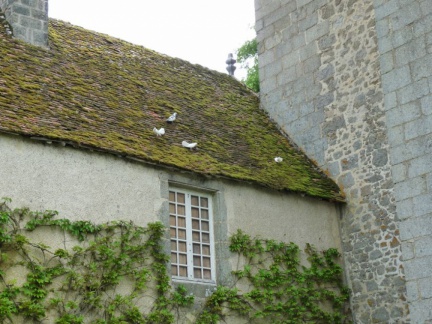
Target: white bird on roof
278	159
159	132
189	145
172	118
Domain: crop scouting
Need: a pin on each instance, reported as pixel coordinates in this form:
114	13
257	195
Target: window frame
188	193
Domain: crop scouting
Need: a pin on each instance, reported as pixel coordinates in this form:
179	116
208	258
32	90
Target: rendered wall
86	185
321	82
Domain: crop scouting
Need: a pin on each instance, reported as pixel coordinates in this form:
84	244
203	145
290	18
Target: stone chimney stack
29	20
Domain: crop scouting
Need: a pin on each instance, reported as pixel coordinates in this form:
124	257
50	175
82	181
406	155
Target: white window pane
205	226
204	202
180	198
182	259
195	212
173	257
204	214
172	196
195	224
196	249
181	222
182	271
182	234
196	236
197	261
197	273
205	238
207	274
174	270
172	208
172	221
206	249
173	233
194	201
181	210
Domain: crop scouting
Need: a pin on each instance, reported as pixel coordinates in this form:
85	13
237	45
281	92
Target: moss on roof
97	91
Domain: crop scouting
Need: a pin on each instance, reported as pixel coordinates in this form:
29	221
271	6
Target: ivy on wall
117	273
279	288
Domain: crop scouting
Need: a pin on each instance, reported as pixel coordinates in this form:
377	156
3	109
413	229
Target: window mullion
189	236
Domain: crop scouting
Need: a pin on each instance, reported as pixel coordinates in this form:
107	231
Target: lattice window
191	231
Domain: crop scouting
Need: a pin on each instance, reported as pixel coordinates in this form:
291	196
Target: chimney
28	19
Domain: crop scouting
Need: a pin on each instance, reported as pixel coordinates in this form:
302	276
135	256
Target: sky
198	31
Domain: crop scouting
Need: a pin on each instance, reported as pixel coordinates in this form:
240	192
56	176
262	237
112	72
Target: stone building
78	114
350	82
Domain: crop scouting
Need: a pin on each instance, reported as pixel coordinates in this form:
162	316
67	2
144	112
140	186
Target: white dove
189	145
278	159
159	132
172	118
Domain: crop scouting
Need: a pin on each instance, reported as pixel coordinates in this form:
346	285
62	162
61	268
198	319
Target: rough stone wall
29	19
404	30
320	80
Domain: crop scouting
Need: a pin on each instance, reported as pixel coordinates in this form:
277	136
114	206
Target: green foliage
84	282
103	278
282	290
245	54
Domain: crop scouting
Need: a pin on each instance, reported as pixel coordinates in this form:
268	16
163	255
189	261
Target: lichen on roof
104	93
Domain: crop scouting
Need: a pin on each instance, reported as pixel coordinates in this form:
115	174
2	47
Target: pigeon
172	118
278	159
189	145
159	132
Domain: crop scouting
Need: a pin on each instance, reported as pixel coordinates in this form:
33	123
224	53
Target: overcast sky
199	31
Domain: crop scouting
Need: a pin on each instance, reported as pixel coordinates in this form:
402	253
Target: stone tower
28	19
350	82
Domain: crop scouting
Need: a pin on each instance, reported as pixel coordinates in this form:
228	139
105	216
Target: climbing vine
279	288
116	273
106	273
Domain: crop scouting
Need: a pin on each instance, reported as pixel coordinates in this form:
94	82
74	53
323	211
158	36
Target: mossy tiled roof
96	91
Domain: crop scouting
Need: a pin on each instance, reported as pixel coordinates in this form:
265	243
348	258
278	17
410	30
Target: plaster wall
77	184
84	185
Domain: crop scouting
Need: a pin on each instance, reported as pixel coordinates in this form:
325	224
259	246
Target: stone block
418	127
308	22
390	100
423	26
410	51
406	15
317	31
426	105
396	79
420	165
421	68
422	205
421	311
411	149
311	64
301	3
409	188
415	227
386	62
412	290
404	209
386	9
402	36
407	250
308	50
425	285
385	44
423	246
418	268
266	9
413	91
21	10
383	28
272	69
399	172
403	114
